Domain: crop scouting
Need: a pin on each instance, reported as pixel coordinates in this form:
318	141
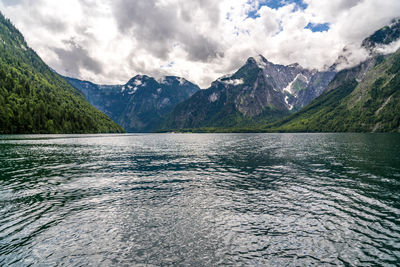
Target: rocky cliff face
365	98
139	105
260	91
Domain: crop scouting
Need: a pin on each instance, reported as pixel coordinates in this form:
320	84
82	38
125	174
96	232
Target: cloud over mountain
110	41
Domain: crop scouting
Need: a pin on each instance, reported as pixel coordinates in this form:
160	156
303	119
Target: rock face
141	103
365	98
258	92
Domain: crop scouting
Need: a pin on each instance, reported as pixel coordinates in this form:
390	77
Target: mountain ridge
328	111
259	92
140	104
371	104
282	98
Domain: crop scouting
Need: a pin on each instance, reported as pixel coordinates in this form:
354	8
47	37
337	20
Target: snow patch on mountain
234	81
138	82
181	80
131	92
260	60
169	80
212	98
287	103
289	87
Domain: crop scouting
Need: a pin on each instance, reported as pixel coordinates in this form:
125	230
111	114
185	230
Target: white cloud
388	49
110	41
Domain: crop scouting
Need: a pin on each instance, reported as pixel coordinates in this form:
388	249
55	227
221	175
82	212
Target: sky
110	41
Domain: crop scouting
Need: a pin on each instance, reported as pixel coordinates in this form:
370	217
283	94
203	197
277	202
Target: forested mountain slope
359	102
141	103
34	99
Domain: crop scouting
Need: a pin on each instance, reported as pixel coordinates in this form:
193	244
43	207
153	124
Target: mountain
362	99
365	98
34	99
259	92
384	36
140	104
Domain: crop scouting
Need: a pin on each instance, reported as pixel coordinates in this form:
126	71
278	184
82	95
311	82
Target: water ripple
201	200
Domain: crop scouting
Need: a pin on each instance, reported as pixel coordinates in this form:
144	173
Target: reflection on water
200	199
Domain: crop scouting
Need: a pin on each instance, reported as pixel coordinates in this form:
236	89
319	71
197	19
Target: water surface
200	199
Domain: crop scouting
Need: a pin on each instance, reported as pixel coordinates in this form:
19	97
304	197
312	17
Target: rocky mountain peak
259	61
173	80
295	65
138	78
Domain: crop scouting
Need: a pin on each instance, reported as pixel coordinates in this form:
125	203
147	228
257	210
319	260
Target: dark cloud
36	18
201	48
204	38
159	27
75	58
347	4
53	24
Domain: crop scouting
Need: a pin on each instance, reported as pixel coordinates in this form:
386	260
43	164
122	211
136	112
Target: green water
200	200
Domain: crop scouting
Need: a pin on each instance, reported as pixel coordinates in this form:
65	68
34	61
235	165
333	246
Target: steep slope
106	98
140	104
34	99
383	36
259	92
362	99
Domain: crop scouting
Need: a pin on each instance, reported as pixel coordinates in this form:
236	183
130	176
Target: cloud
109	41
160	25
388	49
76	58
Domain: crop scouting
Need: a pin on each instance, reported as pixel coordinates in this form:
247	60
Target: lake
200	199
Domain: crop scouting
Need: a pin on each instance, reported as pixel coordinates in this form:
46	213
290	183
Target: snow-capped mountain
138	105
260	91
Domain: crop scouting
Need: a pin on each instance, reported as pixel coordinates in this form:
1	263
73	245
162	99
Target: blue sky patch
318	27
276	4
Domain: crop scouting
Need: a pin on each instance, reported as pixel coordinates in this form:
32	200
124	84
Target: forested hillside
369	104
141	103
34	99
